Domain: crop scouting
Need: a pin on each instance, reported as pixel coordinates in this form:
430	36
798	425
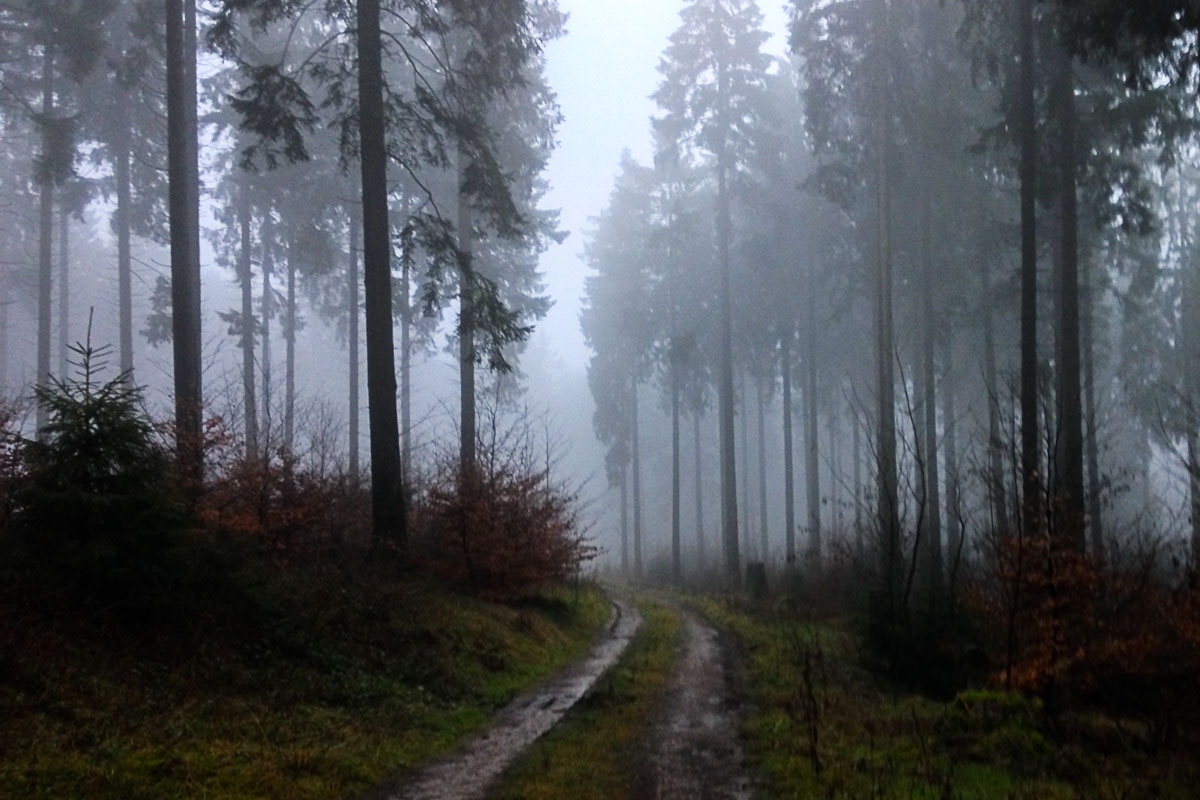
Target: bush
94	501
1067	626
501	533
279	502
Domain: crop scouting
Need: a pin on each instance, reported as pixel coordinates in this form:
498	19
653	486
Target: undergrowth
291	682
242	637
823	726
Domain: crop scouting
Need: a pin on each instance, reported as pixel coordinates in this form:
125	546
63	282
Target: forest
874	422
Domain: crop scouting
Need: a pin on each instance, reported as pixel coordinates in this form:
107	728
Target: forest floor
468	773
720	697
301	682
707	698
821	725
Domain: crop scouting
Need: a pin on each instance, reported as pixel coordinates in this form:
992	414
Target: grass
822	727
589	755
305	683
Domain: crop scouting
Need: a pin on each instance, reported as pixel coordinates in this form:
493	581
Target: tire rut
693	747
467	774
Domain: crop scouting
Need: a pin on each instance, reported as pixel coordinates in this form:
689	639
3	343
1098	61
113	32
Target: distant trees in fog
952	195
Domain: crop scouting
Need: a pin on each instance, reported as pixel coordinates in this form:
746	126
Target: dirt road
693	748
690	749
467	774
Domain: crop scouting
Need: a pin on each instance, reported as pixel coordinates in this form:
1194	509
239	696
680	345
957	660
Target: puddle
467	774
694	746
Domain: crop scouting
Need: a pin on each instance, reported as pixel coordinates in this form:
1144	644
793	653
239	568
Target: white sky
604	71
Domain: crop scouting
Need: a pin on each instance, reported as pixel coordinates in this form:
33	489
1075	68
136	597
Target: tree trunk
387	495
764	538
124	259
700	543
289	386
832	459
789	477
1069	455
184	201
888	499
676	467
858	497
1189	343
997	493
1092	441
950	442
45	253
466	322
729	520
352	335
1026	130
5	300
637	482
245	278
64	288
406	324
676	544
624	522
267	232
812	442
744	419
933	506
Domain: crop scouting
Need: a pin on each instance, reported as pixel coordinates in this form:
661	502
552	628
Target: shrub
277	500
502	532
1067	626
95	501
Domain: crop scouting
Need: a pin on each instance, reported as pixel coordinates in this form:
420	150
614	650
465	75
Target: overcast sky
604	71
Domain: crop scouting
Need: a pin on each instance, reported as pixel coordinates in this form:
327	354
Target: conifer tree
712	79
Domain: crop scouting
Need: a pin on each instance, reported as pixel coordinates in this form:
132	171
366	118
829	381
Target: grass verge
302	683
820	726
588	755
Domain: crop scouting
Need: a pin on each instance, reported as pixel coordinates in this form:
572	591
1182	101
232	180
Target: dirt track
467	774
692	748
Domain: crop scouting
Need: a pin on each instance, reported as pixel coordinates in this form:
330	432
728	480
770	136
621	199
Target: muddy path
467	774
692	749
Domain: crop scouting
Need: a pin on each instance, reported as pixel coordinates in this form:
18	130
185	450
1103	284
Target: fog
670	235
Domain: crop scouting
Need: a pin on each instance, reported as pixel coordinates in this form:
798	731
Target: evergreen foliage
96	502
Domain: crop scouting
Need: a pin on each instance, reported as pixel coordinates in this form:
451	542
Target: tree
184	202
679	257
854	62
1148	40
47	47
95	499
387	495
122	112
617	323
712	78
800	263
511	134
408	114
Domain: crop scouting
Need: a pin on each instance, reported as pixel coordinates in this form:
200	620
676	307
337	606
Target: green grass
311	685
589	755
875	742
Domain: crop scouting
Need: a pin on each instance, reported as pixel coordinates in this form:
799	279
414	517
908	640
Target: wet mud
467	774
693	748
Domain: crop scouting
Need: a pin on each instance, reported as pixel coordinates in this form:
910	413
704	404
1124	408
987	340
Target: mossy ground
296	683
592	754
822	727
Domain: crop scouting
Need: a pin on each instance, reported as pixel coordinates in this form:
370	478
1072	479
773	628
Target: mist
817	135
